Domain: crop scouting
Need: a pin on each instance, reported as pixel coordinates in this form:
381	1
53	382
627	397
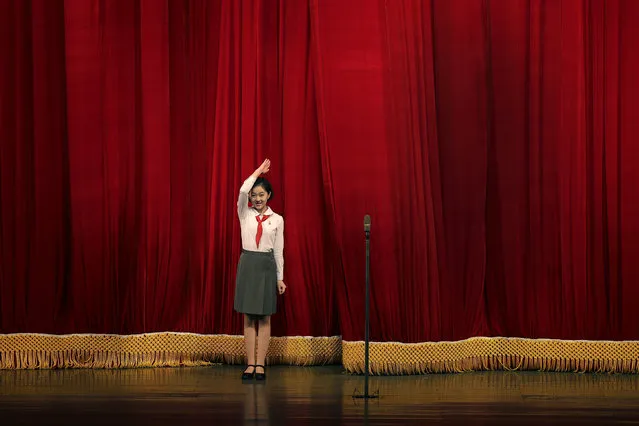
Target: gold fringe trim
42	351
34	351
493	353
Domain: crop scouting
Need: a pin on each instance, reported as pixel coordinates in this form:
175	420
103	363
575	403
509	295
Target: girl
260	271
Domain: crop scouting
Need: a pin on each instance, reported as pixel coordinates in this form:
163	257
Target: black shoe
248	376
260	376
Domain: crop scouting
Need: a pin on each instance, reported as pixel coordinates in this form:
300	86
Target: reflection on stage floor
215	395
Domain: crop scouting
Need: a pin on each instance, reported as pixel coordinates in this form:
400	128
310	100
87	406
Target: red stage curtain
494	144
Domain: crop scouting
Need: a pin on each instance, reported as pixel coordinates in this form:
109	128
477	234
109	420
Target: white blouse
272	228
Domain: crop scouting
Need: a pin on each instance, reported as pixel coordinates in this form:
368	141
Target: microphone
367	224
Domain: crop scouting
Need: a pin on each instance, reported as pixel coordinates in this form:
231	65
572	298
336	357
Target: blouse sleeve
278	250
243	198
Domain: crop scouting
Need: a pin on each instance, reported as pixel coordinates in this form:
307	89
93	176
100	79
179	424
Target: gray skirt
256	284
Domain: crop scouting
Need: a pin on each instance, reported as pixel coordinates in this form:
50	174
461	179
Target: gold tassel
508	354
34	351
37	351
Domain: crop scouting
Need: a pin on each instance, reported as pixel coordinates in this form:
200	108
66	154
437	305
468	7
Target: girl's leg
249	342
263	339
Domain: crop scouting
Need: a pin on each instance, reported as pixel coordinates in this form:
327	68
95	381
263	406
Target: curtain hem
493	353
43	351
170	349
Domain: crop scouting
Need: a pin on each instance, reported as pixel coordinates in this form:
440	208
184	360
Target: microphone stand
367	231
367	321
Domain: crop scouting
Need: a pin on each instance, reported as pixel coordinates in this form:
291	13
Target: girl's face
259	198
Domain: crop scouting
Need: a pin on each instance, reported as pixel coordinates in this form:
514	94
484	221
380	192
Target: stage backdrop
493	142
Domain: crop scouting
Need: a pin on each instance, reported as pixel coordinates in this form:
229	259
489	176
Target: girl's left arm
278	250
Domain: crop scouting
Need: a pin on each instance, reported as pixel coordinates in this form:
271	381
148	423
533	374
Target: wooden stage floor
215	395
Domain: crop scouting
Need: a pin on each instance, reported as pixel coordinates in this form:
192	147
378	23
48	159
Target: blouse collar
268	211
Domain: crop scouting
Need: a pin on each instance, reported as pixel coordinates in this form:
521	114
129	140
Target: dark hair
260	181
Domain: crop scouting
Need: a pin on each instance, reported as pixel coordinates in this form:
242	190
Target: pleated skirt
256	284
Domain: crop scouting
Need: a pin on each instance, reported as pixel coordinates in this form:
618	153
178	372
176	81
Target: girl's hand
264	168
281	287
